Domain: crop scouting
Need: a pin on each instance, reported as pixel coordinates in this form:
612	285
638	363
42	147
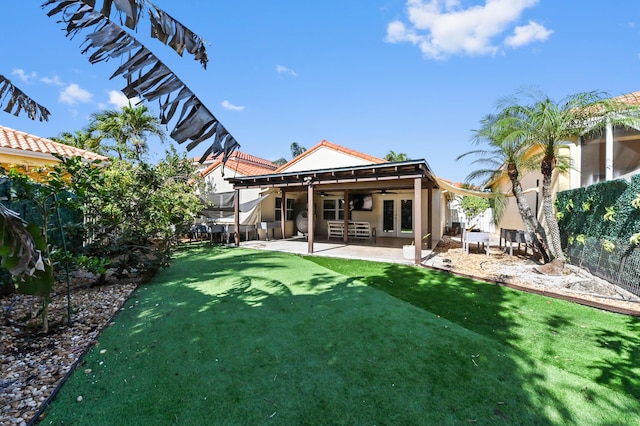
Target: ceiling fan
385	192
327	194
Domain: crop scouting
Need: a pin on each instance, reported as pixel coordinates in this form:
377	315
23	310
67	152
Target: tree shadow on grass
250	337
622	368
496	312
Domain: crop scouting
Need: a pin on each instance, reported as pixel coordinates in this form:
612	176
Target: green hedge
583	211
596	225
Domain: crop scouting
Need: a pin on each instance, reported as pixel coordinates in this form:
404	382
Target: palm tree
392	156
506	156
280	161
129	128
547	125
140	125
296	149
82	139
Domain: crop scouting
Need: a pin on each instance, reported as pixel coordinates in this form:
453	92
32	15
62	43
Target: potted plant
408	250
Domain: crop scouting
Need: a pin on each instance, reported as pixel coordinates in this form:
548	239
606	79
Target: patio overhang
414	175
397	175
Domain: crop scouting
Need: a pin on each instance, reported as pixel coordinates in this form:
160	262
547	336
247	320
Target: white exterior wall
511	218
216	183
326	158
374	217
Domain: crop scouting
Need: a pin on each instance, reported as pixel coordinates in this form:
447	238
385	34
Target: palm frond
20	255
147	77
17	101
164	27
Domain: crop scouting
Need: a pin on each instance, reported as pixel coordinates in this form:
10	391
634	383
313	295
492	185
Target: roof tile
16	139
243	163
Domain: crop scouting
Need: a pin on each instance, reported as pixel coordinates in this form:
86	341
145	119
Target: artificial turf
236	336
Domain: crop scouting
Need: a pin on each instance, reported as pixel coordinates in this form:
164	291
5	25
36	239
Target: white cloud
231	107
281	69
72	94
442	27
22	75
55	80
527	34
119	100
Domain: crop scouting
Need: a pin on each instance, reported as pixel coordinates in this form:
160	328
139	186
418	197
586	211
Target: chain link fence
614	261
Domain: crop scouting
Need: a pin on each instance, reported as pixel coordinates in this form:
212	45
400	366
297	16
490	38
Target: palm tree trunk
529	219
548	210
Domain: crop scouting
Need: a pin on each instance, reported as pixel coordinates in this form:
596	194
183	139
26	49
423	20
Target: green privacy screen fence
600	229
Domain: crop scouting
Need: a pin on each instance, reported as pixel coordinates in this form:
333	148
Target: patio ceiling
396	175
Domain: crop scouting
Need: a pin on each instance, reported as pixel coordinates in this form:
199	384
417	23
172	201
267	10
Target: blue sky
411	76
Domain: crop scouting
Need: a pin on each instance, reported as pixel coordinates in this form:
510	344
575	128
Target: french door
397	217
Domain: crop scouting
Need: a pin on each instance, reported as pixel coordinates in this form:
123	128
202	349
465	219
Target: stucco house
330	188
18	148
602	156
221	194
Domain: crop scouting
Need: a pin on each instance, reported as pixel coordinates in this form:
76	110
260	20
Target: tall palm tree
129	128
548	125
506	155
296	149
140	125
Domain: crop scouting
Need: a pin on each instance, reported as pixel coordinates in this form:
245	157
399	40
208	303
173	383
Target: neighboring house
22	149
455	217
221	193
337	185
611	154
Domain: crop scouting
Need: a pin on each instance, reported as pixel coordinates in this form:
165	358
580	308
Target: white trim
27	154
608	152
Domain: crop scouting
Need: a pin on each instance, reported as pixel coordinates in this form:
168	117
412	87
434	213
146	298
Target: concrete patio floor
384	250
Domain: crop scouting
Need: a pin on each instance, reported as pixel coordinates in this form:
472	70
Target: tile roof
244	164
336	147
452	183
632	98
21	141
241	156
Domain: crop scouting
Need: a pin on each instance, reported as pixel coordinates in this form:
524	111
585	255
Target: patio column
576	159
430	217
345	212
310	217
236	213
417	219
283	213
608	152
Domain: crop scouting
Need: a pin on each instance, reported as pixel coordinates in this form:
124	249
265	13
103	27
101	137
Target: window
290	202
626	151
332	209
592	158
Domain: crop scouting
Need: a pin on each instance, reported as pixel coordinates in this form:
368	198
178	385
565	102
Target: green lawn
236	336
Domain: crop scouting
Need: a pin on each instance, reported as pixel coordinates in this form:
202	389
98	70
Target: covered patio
389	250
413	177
